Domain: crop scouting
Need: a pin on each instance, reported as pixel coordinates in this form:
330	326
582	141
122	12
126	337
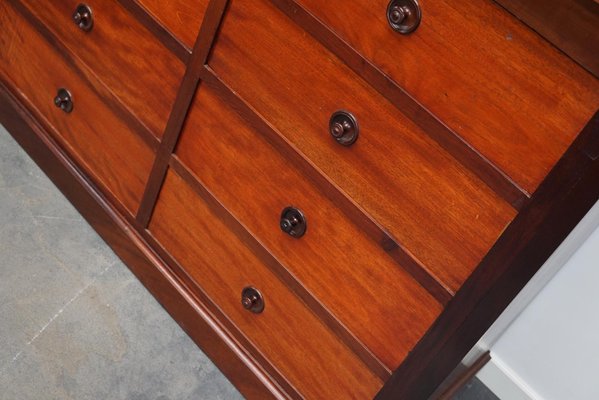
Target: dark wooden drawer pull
343	126
252	300
404	15
293	222
83	17
63	100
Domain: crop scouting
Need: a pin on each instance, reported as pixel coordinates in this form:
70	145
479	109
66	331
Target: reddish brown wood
89	77
439	211
180	17
146	85
493	82
561	201
488	172
155	24
288	334
118	162
216	312
195	64
268	259
353	211
572	26
242	370
341	266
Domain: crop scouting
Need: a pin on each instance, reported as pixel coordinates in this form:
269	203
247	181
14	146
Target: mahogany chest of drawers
334	199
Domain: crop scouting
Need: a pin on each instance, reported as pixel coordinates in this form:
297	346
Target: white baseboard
504	382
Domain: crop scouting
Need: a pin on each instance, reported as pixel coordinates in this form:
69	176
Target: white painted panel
553	345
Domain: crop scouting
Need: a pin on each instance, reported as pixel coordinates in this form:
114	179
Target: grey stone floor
74	322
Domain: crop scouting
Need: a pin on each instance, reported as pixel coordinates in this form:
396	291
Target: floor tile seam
54	317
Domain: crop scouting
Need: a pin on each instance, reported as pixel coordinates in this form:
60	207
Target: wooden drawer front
494	82
286	332
353	276
435	207
181	17
124	55
102	143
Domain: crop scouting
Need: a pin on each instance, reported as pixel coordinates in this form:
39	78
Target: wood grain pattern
494	82
181	17
439	211
272	263
191	78
572	26
286	331
430	124
241	369
156	27
334	260
353	211
146	85
105	146
561	201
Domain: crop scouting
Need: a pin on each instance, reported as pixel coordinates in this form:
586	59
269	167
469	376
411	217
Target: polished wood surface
374	230
493	82
286	332
430	124
272	263
104	145
145	85
563	199
181	17
334	259
572	26
191	78
156	27
440	212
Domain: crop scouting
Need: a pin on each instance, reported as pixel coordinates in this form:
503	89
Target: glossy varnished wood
286	332
562	200
104	145
242	370
267	259
158	29
194	68
488	172
354	212
572	26
439	211
493	82
117	50
181	17
335	260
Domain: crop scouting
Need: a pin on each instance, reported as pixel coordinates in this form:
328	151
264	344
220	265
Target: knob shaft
404	15
343	126
252	300
293	222
63	100
83	17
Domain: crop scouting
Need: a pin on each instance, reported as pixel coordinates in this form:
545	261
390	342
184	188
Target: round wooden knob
252	300
293	222
63	100
404	15
343	126
83	17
